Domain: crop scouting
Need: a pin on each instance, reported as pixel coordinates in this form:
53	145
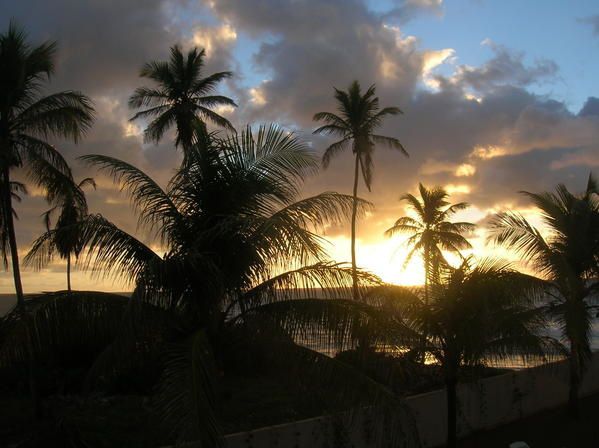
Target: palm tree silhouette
567	259
182	98
230	224
70	202
431	231
358	117
473	315
26	119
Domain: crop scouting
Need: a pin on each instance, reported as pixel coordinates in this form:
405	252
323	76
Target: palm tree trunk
426	273
354	273
12	239
69	272
426	281
452	406
575	374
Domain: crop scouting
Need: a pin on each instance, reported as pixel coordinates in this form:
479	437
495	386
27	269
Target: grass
548	429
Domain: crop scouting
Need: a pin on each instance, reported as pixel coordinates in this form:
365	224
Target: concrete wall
485	404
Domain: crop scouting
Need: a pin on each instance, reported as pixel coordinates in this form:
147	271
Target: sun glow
384	258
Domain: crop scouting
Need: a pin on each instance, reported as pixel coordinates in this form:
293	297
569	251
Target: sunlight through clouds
465	170
210	37
384	258
432	59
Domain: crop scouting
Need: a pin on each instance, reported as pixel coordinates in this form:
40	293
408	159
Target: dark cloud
506	67
593	21
102	43
405	10
590	107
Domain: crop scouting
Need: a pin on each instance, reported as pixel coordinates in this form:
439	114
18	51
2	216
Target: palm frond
327	279
111	251
154	206
390	142
33	149
148	97
186	397
67	114
62	324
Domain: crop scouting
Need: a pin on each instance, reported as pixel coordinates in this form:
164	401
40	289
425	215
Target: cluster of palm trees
242	256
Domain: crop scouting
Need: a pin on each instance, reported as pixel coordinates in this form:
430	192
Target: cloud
481	131
590	107
102	44
593	22
406	10
506	67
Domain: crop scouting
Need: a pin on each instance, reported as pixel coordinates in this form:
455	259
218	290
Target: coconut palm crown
182	97
431	232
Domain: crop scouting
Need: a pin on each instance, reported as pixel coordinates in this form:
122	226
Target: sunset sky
498	96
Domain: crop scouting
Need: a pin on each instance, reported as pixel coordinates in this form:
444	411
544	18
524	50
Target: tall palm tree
27	119
567	259
431	231
182	98
358	118
472	316
241	259
70	203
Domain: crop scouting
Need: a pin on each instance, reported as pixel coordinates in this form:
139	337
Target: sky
497	97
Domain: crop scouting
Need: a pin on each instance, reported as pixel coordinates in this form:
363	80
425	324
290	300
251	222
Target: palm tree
472	316
27	119
357	119
241	259
431	231
183	98
69	200
567	259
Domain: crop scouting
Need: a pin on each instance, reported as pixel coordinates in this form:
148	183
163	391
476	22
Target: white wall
485	404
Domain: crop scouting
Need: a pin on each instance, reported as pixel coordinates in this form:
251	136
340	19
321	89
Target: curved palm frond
111	251
326	279
154	206
67	114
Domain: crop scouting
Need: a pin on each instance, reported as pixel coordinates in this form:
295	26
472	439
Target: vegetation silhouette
358	116
567	259
182	98
431	231
27	119
17	190
474	314
69	201
237	281
230	224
